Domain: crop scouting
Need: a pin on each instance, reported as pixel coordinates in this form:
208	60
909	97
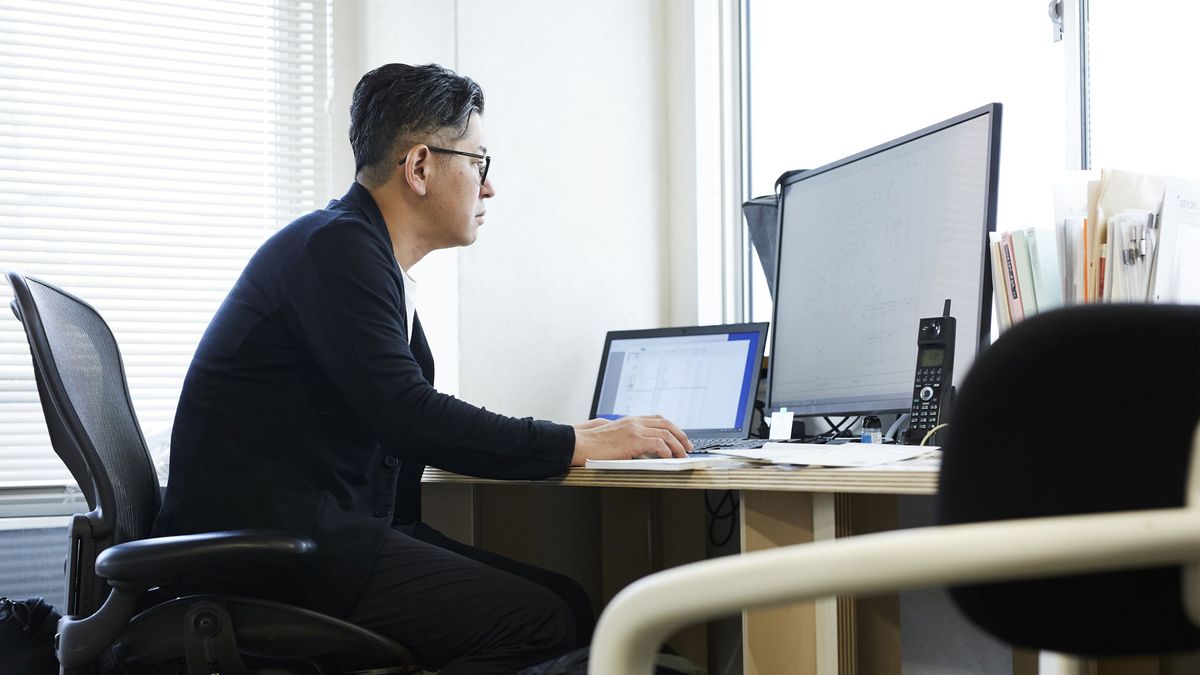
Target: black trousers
463	610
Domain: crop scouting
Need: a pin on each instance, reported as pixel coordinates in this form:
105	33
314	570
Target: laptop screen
702	378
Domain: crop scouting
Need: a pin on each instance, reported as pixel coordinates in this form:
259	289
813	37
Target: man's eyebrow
482	149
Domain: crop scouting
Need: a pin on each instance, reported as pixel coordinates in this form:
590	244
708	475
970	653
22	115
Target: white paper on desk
1175	280
666	463
847	454
919	464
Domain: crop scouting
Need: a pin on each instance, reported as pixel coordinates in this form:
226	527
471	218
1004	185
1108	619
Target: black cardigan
306	408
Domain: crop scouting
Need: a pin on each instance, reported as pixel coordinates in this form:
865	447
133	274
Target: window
1143	87
827	80
823	83
146	150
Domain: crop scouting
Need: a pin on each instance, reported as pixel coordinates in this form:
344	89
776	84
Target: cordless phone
932	386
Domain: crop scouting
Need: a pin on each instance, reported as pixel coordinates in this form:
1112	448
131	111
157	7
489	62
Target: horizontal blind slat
216	11
146	151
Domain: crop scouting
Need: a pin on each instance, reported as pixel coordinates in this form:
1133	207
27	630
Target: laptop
702	378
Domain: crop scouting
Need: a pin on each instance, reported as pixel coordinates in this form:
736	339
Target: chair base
249	635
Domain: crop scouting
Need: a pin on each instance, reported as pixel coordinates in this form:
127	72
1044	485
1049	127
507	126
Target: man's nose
488	189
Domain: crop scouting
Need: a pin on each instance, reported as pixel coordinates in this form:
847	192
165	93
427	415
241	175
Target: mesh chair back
1081	410
88	410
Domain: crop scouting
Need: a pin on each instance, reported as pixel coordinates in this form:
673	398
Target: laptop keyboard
703	445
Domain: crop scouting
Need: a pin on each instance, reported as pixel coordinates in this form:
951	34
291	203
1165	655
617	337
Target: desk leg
781	640
841	635
831	613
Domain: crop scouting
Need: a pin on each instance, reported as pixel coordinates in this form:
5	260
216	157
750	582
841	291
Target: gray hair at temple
396	106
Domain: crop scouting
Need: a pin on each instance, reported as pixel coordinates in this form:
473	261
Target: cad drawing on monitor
867	246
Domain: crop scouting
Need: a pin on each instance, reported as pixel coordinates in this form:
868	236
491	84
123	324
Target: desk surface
869	481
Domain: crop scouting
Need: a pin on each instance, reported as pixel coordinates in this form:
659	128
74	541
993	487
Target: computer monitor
868	245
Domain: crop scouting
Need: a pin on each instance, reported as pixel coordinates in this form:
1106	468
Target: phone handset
933	384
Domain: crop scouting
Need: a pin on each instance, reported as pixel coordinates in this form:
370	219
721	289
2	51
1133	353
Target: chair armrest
165	558
649	610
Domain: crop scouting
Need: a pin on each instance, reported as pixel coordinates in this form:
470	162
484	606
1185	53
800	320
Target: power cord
726	509
841	428
932	432
900	422
761	430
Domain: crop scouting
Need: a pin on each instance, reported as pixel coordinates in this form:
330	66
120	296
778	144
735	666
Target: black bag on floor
27	630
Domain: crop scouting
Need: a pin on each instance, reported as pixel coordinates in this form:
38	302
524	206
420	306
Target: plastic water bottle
872	430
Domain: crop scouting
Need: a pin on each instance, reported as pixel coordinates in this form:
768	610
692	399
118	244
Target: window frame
1077	149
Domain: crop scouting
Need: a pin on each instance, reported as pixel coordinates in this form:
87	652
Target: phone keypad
926	397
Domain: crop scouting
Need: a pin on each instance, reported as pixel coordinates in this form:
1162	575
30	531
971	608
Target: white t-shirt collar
410	300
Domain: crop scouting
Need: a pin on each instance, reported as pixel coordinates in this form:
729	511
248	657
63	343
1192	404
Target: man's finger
663	423
678	449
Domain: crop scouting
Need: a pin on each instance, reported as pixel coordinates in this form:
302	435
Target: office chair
1068	507
112	619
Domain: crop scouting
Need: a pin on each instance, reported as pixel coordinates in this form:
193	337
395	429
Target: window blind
146	149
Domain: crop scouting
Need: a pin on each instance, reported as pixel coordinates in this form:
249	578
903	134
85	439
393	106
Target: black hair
396	103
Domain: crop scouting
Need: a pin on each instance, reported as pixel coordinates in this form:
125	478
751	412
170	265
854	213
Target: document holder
762	220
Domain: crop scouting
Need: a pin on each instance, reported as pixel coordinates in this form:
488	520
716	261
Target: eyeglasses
483	170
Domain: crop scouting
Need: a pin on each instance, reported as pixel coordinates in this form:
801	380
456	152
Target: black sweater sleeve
346	300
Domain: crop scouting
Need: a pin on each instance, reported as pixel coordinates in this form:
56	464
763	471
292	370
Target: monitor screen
701	378
870	244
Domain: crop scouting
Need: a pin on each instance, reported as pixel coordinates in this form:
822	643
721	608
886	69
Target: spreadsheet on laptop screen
697	381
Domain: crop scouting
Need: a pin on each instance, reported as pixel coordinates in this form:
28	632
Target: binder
1010	275
1025	282
1045	260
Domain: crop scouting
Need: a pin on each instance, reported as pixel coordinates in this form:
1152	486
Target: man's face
456	193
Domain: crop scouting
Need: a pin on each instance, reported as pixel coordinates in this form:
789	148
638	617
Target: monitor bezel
684	331
982	322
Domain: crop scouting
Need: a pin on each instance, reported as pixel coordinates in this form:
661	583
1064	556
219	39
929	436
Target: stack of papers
847	454
666	464
1126	237
803	454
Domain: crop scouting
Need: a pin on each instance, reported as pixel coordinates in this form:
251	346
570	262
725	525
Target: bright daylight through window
824	83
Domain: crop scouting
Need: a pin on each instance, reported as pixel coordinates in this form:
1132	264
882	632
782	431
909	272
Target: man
309	406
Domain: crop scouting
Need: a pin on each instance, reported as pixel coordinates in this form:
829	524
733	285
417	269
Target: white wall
598	120
366	35
576	238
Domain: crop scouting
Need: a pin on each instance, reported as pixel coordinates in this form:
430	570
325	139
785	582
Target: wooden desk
773	479
613	527
648	521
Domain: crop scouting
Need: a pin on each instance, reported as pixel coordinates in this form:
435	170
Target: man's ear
415	169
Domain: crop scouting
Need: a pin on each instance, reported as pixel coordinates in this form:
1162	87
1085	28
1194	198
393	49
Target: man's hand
628	438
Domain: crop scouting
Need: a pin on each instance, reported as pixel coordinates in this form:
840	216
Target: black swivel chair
113	571
1068	505
1091	410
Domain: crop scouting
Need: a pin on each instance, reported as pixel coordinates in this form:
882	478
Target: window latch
1056	19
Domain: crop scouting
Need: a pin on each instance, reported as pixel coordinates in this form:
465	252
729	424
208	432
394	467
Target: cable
895	428
762	430
838	429
726	508
932	432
